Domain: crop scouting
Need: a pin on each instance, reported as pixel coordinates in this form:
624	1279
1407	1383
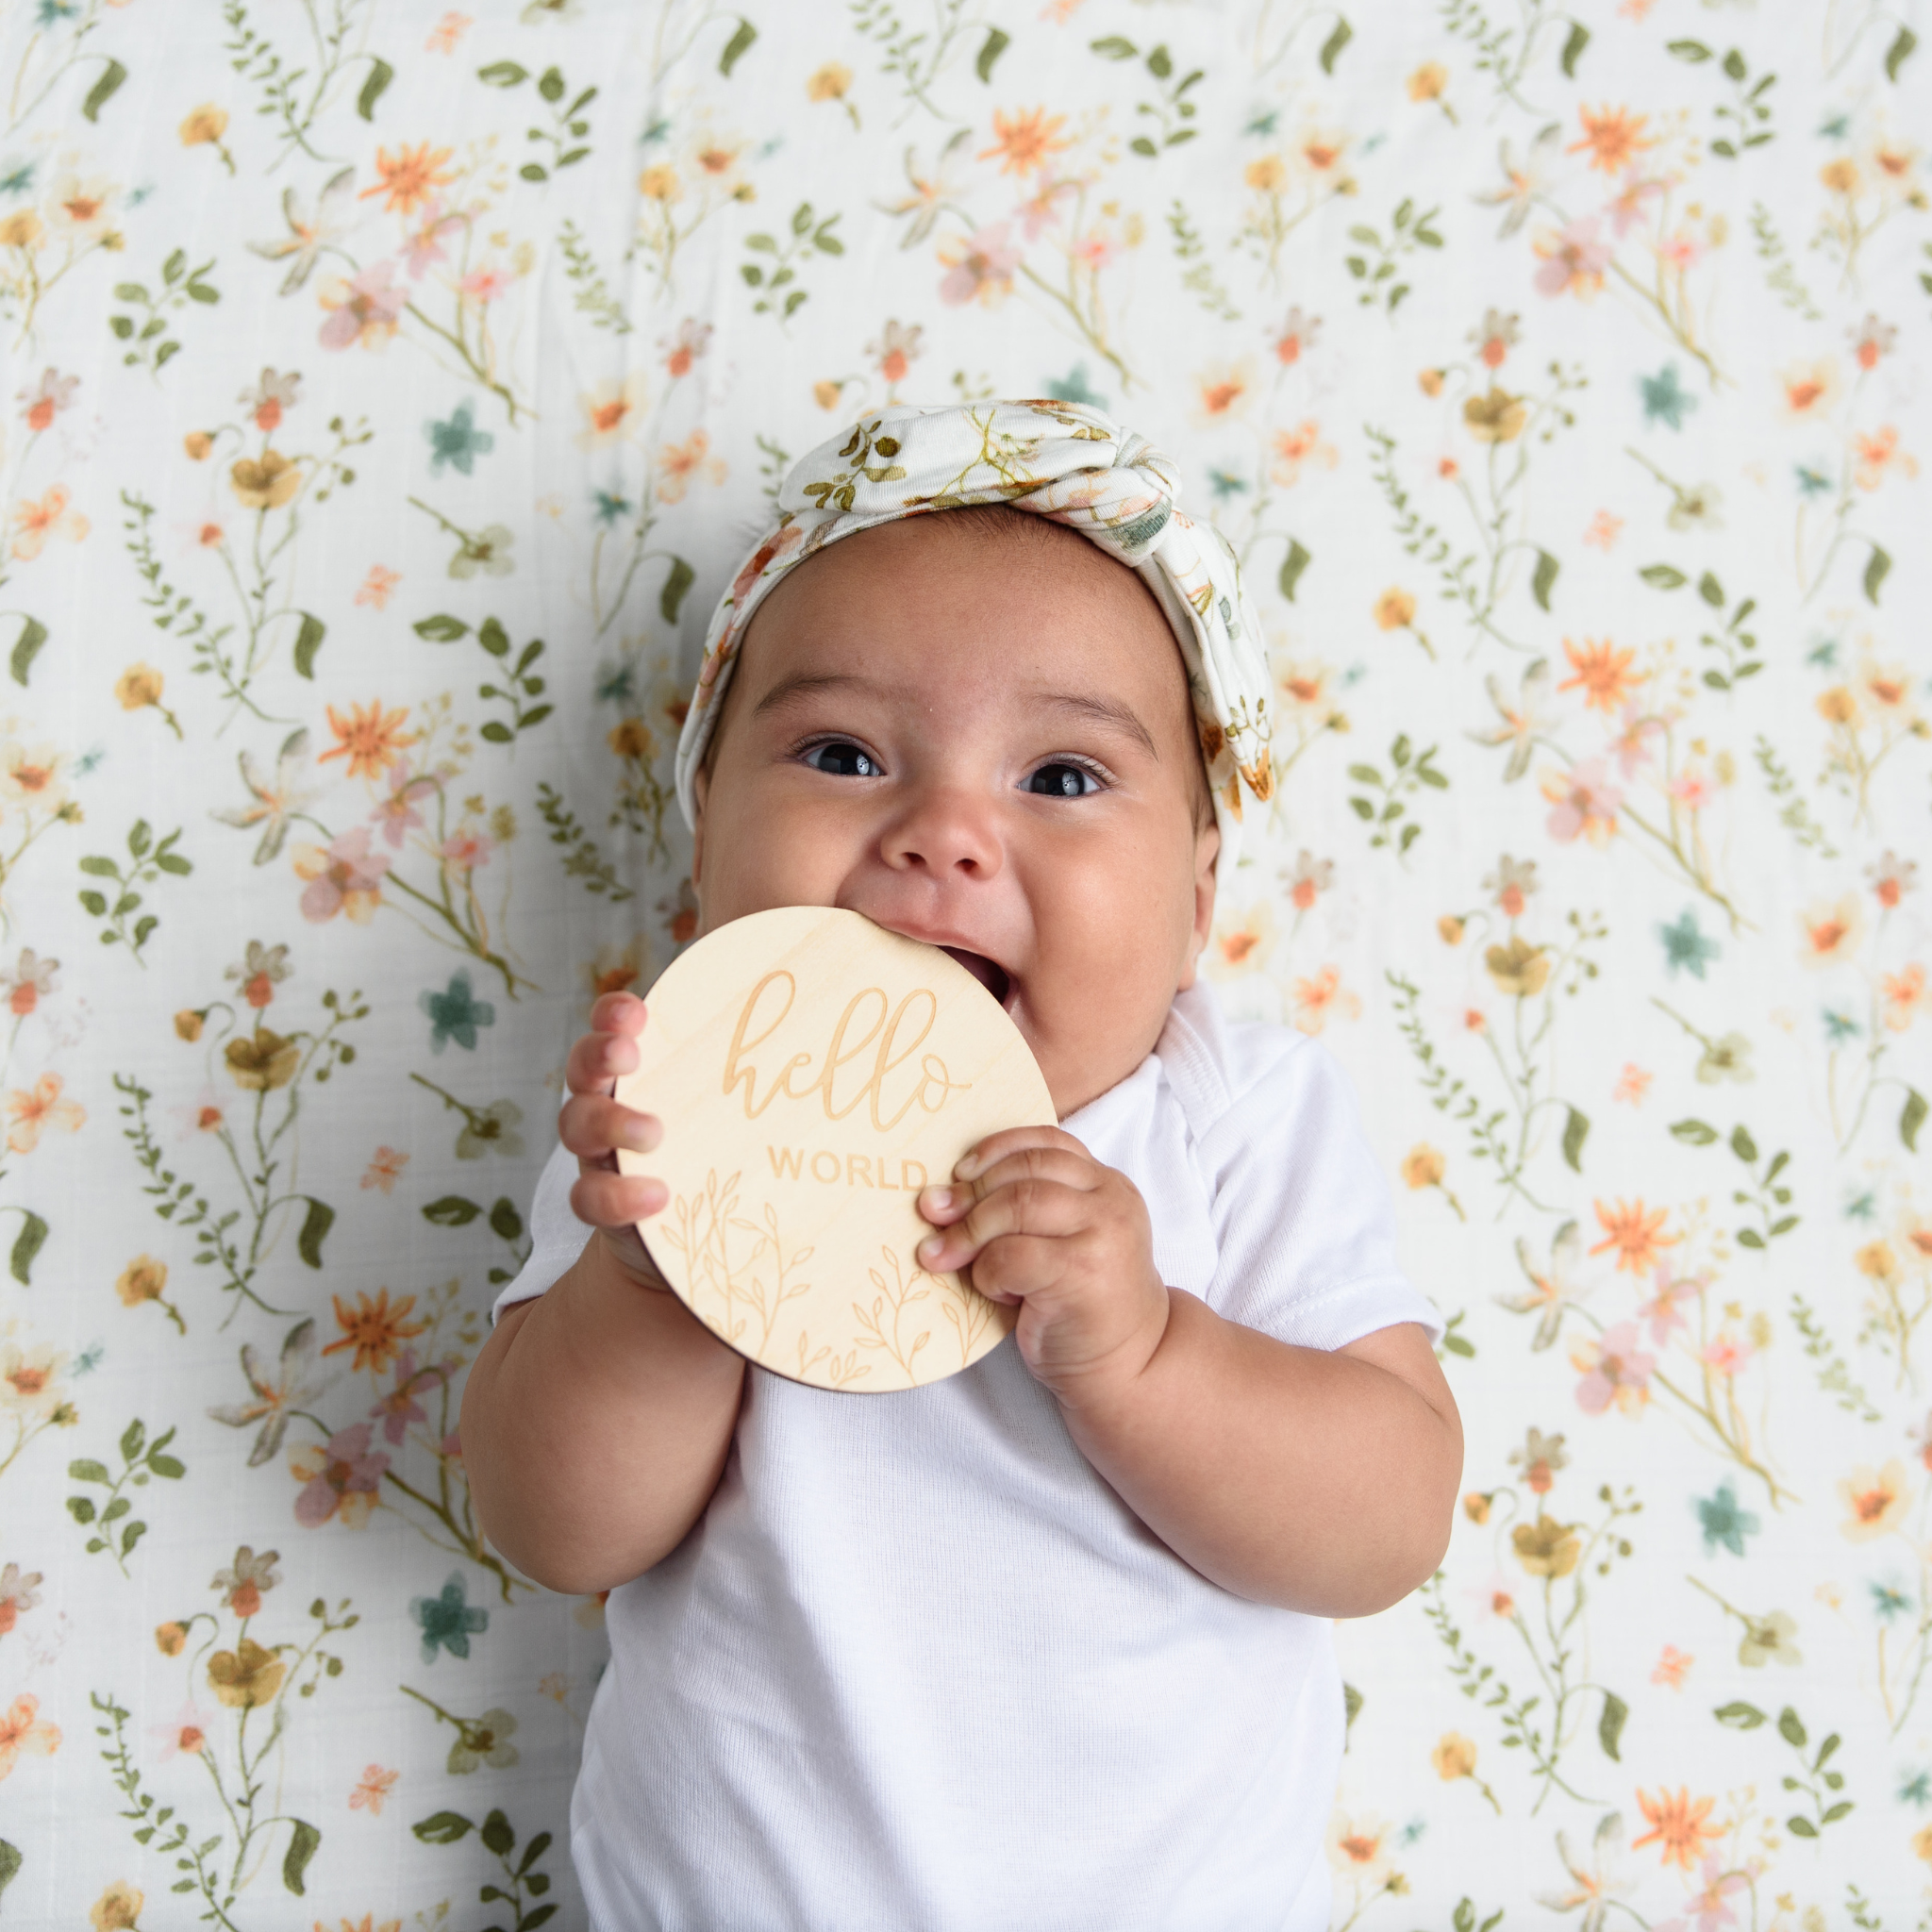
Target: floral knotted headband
1058	460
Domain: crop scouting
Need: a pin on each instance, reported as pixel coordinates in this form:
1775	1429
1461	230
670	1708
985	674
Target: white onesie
918	1669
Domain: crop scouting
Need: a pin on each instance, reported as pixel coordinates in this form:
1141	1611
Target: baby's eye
842	759
1061	779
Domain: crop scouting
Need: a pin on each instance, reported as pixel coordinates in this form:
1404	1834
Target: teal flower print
610	507
448	1622
1074	388
1685	949
457	443
456	1013
1839	1027
18	178
1812	481
1225	484
1724	1522
1663	400
1916	1789
1888	1600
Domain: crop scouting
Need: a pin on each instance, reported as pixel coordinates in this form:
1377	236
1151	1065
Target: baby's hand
592	1125
1040	1222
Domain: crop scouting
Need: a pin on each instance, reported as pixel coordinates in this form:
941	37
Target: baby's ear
700	791
1207	852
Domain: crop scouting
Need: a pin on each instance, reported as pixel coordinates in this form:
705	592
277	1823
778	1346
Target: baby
1045	1644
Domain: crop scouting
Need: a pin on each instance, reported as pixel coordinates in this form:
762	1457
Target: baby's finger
1012	1267
596	1061
1028	1207
618	1013
942	1205
594	1126
1011	1141
617	1200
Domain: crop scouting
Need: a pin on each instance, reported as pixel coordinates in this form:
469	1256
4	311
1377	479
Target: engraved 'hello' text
899	1031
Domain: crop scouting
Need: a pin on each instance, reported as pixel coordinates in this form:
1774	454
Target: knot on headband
1059	460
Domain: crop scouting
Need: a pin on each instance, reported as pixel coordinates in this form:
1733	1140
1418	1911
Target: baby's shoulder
1236	1076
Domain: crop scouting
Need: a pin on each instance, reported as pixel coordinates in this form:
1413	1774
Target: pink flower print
1095	249
1586	803
347	877
1615	1371
1692	789
1631	746
399	1408
980	267
423	246
466	849
397	813
377	1785
1660	1310
1726	1354
1573	259
364	308
342	1478
1627	210
487	284
186	1732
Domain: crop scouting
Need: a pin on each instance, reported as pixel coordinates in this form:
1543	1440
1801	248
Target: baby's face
986	745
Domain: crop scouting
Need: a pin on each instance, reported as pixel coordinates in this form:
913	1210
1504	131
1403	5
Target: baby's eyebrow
1103	711
1089	704
808	684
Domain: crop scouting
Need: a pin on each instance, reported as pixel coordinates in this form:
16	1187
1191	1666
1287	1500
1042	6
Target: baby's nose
947	832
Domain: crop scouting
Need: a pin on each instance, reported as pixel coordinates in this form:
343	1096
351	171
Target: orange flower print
32	1108
691	340
1242	946
677	462
1878	455
1603	531
1633	1083
35	521
1904	993
376	1784
370	738
1678	1823
1809	389
20	1730
385	1169
1613	136
1876	1500
1831	933
1027	143
373	1329
1323	998
1221	391
1636	1235
1603	672
1298	448
1671	1666
410	178
447	31
374	591
612	412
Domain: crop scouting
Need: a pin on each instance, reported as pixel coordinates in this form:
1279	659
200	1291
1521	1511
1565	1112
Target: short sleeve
557	1236
1305	1224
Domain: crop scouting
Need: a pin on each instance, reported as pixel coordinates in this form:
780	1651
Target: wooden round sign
813	1072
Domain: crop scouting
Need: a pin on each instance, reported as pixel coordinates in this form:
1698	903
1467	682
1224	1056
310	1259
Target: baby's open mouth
990	972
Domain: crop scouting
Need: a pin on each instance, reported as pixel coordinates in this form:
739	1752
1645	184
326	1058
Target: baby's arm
598	1418
1324	1482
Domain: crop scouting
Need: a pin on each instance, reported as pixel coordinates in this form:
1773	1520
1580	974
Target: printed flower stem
480	371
